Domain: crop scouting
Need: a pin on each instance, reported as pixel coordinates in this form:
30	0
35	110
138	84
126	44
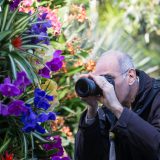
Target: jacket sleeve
89	143
145	136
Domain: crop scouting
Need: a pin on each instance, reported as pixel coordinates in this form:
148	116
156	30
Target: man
127	127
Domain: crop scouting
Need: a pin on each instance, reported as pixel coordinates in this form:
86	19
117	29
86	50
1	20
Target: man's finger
84	76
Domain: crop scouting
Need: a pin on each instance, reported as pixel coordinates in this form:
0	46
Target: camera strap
107	120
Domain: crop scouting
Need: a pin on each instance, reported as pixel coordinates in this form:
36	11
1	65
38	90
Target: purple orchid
41	30
17	87
54	65
8	89
31	120
16	108
14	4
43	117
41	99
22	81
44	72
57	54
60	158
57	144
3	110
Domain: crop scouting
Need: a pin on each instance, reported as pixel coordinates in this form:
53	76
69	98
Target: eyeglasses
113	77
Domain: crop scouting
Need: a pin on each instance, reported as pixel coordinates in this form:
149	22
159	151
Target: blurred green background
131	26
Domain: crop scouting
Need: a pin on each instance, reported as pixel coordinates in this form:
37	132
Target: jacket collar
145	85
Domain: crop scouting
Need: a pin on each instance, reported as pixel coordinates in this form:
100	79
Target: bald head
120	67
116	60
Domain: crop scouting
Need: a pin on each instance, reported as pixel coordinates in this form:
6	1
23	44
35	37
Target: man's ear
132	76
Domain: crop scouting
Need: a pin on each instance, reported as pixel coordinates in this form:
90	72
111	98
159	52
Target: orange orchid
70	47
78	63
90	66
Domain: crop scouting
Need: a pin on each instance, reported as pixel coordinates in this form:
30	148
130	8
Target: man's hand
109	98
92	106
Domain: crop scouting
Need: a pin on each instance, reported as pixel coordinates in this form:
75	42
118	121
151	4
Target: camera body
87	87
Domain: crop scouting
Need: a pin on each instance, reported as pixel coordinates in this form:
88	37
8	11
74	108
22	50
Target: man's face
111	68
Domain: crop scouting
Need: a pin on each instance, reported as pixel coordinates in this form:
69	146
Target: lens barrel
85	87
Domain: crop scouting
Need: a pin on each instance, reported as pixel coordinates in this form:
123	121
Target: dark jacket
137	131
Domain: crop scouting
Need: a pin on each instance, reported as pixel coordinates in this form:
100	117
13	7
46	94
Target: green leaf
11	19
36	135
62	39
26	66
25	21
83	26
30	53
23	25
13	66
33	36
3	53
45	154
65	142
58	3
51	152
21	20
68	109
26	41
5	145
38	22
25	146
59	46
83	54
5	17
18	31
61	94
72	72
1	19
32	142
42	3
3	130
4	34
51	134
29	71
34	47
30	101
1	2
41	154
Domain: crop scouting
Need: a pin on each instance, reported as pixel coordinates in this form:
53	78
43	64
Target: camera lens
86	87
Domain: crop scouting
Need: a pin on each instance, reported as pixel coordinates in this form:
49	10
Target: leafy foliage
25	108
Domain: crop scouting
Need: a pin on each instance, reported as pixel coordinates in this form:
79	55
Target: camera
85	87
